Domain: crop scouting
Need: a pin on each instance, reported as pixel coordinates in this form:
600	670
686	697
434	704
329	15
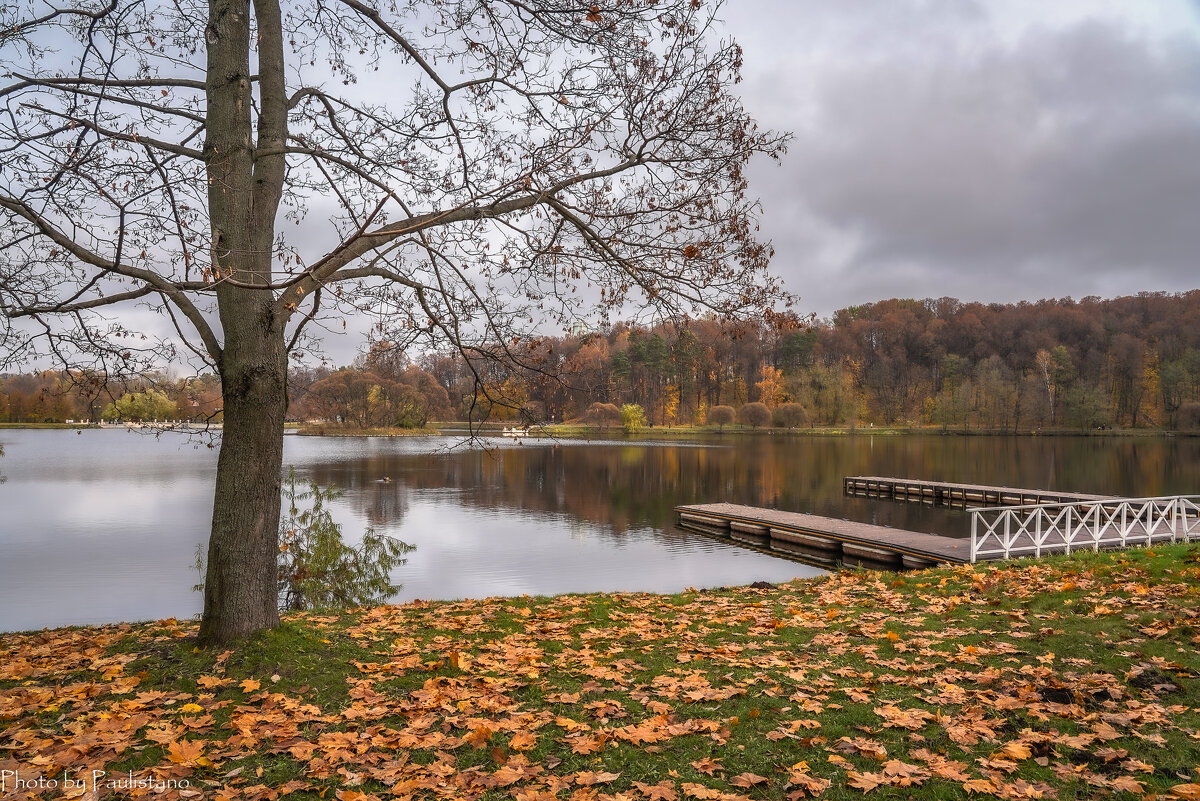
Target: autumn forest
1130	362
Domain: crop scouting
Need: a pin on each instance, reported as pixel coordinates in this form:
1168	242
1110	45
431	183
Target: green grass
1066	677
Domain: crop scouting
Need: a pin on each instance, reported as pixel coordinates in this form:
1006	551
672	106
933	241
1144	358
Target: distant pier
941	492
1018	522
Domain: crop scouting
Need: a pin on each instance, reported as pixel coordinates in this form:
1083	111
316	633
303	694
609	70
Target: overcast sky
990	150
998	150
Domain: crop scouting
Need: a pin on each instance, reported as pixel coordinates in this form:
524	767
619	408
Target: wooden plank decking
824	539
907	489
1038	523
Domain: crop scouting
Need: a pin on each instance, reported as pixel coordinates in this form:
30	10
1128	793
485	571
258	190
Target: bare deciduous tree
470	169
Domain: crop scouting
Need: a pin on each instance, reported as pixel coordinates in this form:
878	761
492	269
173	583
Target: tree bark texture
240	594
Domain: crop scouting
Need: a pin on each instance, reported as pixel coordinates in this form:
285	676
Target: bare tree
477	168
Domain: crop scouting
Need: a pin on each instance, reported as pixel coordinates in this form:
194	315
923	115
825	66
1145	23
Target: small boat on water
515	432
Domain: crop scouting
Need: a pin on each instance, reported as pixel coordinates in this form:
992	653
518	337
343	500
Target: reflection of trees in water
374	488
623	486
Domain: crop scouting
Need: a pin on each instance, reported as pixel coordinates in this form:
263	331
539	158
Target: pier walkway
907	489
824	539
1043	523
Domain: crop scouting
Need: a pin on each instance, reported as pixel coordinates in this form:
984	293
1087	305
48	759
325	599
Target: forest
1129	362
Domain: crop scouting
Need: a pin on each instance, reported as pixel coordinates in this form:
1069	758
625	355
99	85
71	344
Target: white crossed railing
1034	530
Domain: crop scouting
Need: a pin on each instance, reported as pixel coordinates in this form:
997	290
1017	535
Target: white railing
1034	530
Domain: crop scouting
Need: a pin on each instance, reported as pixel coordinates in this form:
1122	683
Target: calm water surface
102	525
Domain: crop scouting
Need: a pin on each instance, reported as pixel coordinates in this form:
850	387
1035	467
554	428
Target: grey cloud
954	160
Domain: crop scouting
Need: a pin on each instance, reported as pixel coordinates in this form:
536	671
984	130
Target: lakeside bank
1065	678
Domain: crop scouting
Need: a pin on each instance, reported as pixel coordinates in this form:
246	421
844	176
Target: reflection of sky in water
496	552
103	525
100	526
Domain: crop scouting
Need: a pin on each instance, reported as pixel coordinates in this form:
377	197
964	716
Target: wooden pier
1005	523
940	492
824	540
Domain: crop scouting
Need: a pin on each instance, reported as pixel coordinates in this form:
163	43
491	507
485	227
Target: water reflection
103	525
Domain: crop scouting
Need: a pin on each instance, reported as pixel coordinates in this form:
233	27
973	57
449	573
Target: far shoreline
570	431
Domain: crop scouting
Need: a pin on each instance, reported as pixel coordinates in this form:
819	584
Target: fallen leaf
747	780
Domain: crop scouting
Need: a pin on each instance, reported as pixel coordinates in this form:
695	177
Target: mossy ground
1063	678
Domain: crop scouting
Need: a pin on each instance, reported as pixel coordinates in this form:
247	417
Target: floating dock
824	539
940	492
1005	523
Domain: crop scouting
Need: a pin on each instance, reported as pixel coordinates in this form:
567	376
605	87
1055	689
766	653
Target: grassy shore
579	431
329	430
1065	678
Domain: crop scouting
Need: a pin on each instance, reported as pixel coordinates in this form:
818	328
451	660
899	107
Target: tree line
1130	362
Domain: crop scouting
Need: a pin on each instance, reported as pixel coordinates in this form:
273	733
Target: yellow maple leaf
1015	750
979	786
187	752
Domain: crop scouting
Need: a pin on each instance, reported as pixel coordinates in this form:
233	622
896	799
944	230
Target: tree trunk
240	590
241	585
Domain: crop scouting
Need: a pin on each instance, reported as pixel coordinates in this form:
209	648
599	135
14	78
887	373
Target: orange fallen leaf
523	741
586	778
1128	784
867	781
479	736
1015	750
187	752
747	780
979	786
663	791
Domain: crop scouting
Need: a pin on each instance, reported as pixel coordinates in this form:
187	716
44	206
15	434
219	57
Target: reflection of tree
622	486
374	486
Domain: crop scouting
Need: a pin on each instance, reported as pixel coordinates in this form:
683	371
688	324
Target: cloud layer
951	148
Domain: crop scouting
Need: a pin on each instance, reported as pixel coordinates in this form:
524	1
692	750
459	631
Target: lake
102	525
